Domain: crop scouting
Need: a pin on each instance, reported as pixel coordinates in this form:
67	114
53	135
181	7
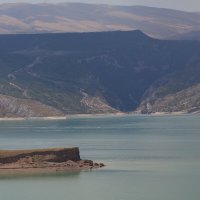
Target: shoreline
68	166
59	118
71	116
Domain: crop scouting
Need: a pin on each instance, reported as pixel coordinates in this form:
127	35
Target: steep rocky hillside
16	107
186	100
108	72
177	91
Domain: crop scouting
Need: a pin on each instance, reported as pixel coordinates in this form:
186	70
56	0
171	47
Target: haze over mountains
107	72
77	17
193	35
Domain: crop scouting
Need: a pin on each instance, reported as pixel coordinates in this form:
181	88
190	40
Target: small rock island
44	161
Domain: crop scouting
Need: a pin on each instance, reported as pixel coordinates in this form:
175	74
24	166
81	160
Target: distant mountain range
105	72
77	17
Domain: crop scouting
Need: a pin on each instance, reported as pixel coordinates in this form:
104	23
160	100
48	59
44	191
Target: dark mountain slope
95	72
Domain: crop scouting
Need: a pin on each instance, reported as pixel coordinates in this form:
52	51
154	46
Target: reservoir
146	158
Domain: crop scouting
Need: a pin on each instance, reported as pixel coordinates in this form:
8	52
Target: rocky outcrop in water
44	160
48	155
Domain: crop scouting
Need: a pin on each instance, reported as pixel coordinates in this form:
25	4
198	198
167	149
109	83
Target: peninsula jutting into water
44	161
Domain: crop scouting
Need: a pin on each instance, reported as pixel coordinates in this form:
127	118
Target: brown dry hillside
78	17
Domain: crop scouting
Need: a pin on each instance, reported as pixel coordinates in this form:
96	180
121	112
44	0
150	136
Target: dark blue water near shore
147	158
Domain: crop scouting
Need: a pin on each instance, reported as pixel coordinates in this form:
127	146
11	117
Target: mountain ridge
79	17
103	72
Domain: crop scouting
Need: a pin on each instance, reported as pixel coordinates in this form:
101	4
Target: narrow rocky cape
44	161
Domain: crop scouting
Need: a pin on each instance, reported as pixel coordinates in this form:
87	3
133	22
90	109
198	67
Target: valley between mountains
58	74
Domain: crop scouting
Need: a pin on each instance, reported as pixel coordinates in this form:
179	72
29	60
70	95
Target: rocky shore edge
44	161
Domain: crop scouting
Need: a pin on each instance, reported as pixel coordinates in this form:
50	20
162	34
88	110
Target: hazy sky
190	5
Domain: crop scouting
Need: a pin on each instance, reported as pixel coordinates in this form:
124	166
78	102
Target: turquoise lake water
147	158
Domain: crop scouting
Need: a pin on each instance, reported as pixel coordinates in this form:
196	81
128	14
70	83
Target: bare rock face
41	155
